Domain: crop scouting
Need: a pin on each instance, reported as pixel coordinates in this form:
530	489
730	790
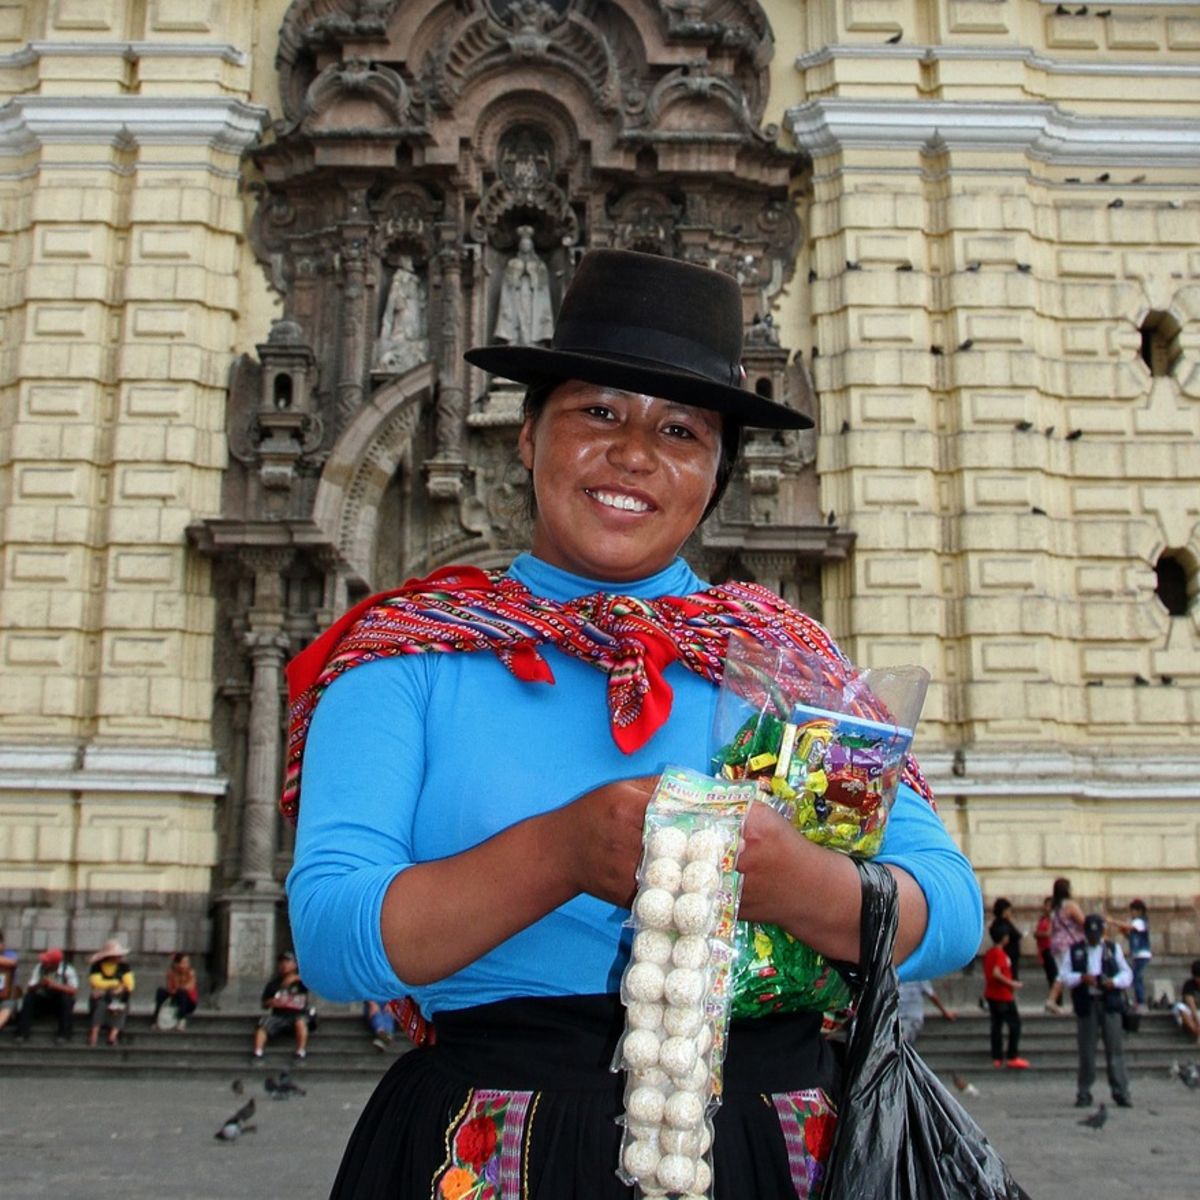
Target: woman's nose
632	447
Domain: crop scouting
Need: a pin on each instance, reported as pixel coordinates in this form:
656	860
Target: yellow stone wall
958	168
122	222
1022	184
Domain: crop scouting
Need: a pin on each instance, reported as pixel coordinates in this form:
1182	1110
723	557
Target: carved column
249	911
353	261
268	652
444	472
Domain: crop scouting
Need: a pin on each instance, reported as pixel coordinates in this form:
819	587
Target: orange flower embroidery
457	1183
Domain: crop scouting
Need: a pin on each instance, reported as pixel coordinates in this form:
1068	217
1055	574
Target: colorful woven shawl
632	640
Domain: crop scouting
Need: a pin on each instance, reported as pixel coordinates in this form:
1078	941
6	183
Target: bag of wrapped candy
825	744
675	987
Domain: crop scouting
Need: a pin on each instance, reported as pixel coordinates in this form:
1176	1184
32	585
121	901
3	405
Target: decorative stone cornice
1071	774
1042	131
994	54
32	52
28	122
127	769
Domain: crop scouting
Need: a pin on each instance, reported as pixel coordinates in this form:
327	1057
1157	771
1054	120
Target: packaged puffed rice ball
676	985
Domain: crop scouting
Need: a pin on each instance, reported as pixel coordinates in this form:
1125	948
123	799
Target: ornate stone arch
376	443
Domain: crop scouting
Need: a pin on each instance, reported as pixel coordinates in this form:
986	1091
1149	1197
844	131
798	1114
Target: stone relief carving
403	342
525	315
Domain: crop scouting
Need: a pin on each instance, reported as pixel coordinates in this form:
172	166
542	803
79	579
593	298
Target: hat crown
651	307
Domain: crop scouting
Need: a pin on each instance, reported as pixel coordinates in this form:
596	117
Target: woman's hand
603	835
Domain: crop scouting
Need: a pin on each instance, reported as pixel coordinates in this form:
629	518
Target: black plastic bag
900	1135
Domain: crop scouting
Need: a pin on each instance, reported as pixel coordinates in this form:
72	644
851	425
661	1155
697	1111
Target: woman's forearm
440	916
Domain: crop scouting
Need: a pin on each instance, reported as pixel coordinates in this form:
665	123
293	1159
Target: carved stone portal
425	147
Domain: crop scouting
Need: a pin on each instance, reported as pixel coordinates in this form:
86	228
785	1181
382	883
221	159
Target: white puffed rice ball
692	912
652	945
668	842
640	1049
651	1077
655	907
683	1110
638	1132
690	950
703	1176
702	877
644	1014
641	1159
705	845
694	1080
677	1055
704	1038
705	1137
645	981
665	873
646	1104
676	1172
683	986
680	1141
683	1020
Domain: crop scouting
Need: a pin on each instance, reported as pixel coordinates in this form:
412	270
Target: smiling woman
472	822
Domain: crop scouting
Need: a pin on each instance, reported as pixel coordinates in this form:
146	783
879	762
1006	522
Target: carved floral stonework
443	139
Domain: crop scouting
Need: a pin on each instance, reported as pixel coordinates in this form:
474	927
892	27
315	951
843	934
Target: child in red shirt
999	989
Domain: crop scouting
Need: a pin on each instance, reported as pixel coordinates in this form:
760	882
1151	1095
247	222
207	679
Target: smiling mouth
618	501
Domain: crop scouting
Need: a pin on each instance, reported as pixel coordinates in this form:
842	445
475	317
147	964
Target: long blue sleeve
419	757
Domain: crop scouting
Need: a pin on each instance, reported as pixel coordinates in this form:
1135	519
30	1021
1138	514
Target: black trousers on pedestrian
1004	1012
58	1004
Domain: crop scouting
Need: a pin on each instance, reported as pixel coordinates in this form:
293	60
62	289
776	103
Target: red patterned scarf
632	640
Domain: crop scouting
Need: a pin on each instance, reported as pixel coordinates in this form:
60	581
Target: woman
179	992
111	982
1066	928
477	847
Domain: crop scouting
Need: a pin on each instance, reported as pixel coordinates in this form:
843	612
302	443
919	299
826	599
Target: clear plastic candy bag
825	745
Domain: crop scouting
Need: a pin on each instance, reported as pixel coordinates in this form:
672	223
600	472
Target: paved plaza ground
143	1139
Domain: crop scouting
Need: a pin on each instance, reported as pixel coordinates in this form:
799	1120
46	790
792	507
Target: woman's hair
1062	890
1140	905
537	394
1001	903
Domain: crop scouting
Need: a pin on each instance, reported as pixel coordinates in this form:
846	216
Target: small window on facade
763	388
283	391
1172	585
1160	343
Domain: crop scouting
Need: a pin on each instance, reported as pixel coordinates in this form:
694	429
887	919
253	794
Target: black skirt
517	1101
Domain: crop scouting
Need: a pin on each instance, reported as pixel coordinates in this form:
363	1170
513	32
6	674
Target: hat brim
108	952
538	364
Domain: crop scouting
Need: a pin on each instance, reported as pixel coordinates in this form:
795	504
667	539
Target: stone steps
218	1044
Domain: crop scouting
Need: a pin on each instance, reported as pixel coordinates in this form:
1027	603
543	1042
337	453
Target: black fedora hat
647	324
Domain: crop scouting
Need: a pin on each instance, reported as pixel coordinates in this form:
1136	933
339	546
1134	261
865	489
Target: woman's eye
679	431
598	410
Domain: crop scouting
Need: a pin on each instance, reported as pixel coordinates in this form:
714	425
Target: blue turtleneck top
422	756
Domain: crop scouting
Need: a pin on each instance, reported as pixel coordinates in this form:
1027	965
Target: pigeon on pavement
236	1125
965	1086
1096	1120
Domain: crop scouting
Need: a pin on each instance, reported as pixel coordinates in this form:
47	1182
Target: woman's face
621	479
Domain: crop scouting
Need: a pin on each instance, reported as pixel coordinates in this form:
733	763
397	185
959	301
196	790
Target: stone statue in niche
525	315
403	341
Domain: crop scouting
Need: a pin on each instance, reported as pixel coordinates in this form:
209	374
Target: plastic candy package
676	985
825	744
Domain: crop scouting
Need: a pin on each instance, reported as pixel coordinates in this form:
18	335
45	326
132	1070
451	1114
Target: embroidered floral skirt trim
516	1101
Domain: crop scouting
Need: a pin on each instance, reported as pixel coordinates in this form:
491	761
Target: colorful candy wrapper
676	986
826	747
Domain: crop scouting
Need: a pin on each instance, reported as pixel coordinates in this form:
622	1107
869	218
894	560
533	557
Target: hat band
652	346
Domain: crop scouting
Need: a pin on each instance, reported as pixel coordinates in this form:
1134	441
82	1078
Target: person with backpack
1096	974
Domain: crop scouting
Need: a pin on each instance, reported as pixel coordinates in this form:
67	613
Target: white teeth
615	500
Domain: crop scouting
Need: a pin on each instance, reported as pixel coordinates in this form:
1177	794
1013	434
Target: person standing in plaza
1137	930
1011	935
1041	937
1066	928
912	1008
999	990
1095	972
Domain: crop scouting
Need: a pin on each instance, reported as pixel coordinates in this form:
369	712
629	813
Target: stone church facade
247	243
